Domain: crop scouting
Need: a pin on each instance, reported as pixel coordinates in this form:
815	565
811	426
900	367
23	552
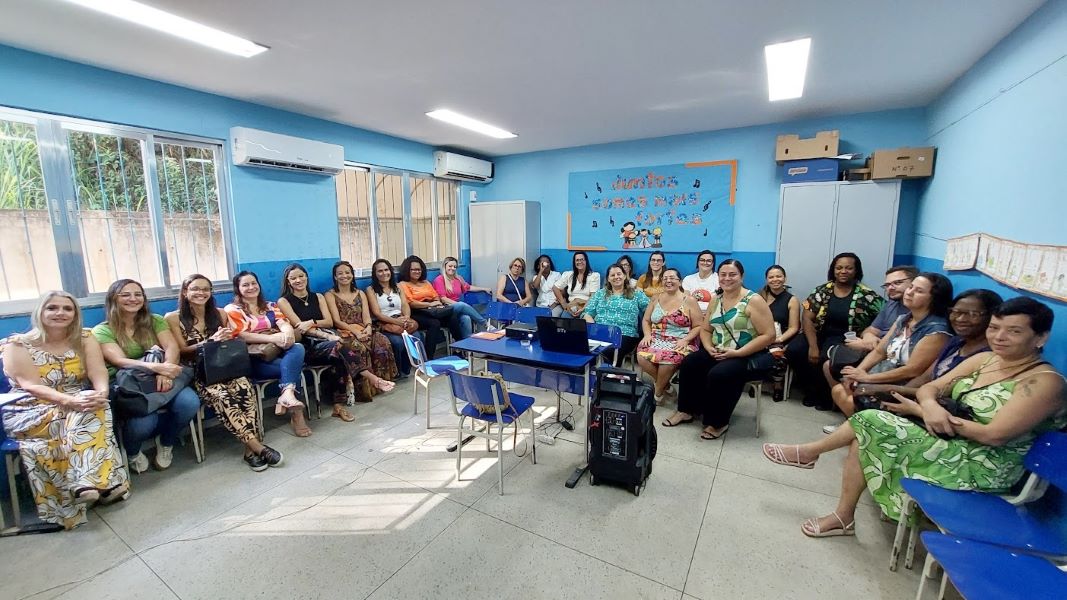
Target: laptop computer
569	336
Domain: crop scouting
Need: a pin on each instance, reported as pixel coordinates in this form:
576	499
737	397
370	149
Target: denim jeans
167	423
286	368
462	308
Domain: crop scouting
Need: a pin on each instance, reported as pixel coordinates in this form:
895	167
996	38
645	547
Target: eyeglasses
889	284
128	295
970	314
707	261
199	289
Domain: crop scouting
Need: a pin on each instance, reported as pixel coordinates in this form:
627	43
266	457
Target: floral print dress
233	401
377	349
667	330
63	451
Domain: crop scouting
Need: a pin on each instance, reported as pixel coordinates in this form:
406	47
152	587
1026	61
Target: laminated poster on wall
1017	254
1038	268
961	253
681	207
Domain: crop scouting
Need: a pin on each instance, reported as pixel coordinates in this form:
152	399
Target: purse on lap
217	362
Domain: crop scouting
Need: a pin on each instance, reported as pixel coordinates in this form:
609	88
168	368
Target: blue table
532	365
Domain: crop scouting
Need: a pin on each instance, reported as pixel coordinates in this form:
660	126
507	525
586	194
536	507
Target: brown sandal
299	424
342	413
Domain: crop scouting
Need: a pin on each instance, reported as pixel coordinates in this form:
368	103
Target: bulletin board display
682	207
1037	268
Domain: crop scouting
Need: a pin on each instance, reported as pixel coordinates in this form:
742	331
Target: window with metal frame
84	203
391	214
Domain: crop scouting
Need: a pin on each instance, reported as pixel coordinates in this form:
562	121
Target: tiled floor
372	509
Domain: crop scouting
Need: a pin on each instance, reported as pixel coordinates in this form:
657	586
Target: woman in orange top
426	307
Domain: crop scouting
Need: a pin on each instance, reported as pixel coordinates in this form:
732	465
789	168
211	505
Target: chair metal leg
200	430
459	445
902	531
500	456
12	466
928	571
428	403
196	441
261	427
909	556
759	405
788	384
415	391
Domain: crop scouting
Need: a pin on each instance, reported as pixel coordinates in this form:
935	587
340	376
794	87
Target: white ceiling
558	73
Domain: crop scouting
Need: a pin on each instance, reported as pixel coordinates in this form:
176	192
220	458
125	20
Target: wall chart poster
683	207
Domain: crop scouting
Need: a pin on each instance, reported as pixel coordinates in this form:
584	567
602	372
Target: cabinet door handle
70	210
57	213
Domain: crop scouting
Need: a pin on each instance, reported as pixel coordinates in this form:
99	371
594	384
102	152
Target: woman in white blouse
702	284
545	277
576	286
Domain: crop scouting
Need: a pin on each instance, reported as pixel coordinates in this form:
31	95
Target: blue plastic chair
476	299
607	333
1032	522
10	450
529	314
501	312
485	391
983	571
426	371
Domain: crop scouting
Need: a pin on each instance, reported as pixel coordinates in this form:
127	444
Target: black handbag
222	361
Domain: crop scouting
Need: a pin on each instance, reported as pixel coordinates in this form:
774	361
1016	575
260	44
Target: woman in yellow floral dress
63	427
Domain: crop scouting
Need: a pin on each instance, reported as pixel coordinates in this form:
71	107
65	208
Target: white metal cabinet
820	220
500	232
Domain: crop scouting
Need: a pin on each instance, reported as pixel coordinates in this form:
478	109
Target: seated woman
511	287
1011	393
348	359
390	312
450	288
910	346
196	322
541	285
620	305
671	324
129	332
256	321
785	310
836	307
651	282
576	286
968	317
734	340
349	313
63	429
627	265
426	307
702	284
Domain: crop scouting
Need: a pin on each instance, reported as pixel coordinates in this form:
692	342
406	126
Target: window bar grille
129	212
207	211
10	157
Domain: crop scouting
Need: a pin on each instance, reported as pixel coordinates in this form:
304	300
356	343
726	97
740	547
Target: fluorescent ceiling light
138	13
787	65
466	122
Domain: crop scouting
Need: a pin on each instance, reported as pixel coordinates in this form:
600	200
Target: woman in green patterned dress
620	305
1013	394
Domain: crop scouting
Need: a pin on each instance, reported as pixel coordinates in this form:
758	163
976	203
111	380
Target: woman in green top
734	341
620	305
129	332
1012	393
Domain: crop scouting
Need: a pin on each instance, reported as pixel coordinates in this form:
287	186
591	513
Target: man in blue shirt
897	279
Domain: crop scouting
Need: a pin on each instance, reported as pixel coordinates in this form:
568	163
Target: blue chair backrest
529	314
1048	458
475	389
606	333
474	298
416	354
501	311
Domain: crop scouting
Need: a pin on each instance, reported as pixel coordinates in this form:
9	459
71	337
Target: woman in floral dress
64	427
351	315
672	324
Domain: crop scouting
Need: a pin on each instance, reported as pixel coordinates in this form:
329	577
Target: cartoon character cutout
628	234
644	243
657	238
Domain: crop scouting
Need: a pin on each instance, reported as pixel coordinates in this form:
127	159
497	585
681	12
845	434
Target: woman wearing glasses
511	287
391	312
702	284
651	283
576	286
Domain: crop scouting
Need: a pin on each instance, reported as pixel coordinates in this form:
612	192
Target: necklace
306	299
1003	366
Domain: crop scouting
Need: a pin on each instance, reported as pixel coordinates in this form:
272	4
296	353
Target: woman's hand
163	383
168	370
904	406
363	335
221	334
575	309
724	354
854	373
305	326
937	419
813	355
283	339
681	346
645	341
82	402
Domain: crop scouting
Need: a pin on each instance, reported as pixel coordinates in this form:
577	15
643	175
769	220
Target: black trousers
431	321
808	376
712	387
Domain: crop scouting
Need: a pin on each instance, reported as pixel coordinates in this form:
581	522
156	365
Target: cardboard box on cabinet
903	163
791	147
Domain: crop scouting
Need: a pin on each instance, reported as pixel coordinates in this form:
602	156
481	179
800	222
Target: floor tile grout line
700	529
788	485
159	577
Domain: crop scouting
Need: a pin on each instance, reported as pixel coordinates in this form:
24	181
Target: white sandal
776	454
811	528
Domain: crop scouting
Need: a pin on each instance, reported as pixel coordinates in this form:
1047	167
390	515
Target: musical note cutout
705	232
706	205
598	187
696	183
612	221
594	225
586	195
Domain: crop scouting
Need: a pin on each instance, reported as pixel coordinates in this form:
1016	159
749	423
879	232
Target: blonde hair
73	334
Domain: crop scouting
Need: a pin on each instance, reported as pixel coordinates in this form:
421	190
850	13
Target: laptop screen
563	335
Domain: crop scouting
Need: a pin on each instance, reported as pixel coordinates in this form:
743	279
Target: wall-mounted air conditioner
255	148
457	166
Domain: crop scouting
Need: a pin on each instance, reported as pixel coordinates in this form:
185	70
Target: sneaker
256	462
271	457
828	429
164	456
139	463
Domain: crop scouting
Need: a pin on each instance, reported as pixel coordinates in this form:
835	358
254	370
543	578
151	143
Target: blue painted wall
1000	133
542	176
